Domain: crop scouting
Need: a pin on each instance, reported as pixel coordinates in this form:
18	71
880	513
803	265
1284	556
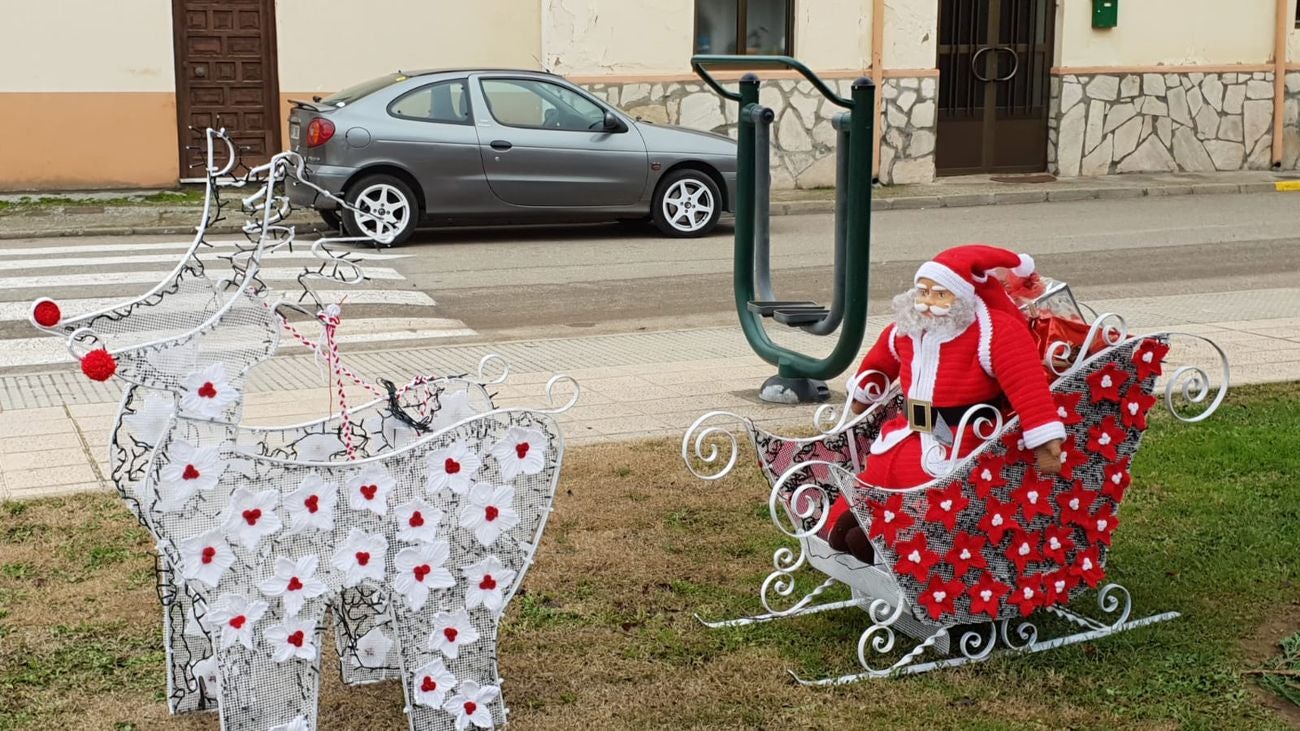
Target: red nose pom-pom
98	365
46	313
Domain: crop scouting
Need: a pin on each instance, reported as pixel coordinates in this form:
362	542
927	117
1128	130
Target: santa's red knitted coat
996	355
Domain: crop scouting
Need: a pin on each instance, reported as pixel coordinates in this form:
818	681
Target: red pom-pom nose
98	365
46	313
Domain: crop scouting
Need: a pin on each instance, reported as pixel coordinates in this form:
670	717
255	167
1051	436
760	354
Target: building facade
97	94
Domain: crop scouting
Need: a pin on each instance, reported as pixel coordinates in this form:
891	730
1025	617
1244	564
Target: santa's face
932	299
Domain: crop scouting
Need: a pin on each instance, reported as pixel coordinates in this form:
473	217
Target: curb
779	208
1020	197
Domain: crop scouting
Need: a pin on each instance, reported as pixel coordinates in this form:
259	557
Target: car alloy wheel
383	212
688	205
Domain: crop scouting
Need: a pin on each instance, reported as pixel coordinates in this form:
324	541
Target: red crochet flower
945	505
1117	480
1133	409
999	517
1105	438
1067	407
1106	382
1101	525
1023	550
986	596
1028	594
939	597
888	520
988	474
966	554
1075	504
1148	357
1014	441
1057	586
1034	496
1087	567
1058	541
915	558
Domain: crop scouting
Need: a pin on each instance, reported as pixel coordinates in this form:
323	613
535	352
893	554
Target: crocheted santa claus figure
957	342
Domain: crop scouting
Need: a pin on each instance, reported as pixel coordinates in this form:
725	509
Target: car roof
482	70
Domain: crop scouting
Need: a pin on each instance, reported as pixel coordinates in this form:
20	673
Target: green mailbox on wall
1105	13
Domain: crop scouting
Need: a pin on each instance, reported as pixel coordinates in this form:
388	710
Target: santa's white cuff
1040	435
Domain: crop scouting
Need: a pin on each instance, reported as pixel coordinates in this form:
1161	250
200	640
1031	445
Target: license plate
293	132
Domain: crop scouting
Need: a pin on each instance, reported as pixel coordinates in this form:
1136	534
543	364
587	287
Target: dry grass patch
603	634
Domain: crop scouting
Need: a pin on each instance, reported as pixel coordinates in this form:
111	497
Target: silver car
500	146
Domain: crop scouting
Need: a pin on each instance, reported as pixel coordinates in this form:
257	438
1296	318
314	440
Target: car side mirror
613	123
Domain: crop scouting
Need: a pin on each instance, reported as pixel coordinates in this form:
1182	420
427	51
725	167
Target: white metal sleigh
987	554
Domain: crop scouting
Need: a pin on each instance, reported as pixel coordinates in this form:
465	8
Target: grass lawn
188	196
603	636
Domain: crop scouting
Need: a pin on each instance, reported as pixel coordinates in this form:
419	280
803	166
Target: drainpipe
878	76
1279	78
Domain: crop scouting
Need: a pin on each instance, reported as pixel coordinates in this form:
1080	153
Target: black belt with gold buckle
921	414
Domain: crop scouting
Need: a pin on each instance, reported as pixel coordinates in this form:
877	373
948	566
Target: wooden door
226	77
994	65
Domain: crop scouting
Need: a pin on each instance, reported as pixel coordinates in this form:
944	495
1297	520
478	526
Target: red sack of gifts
1053	315
1049	328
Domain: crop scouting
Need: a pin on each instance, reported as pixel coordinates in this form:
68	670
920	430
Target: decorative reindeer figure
202	372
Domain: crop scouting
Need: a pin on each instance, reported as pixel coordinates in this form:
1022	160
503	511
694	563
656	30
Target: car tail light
319	132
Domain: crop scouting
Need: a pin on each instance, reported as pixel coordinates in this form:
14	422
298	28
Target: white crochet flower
207	393
489	512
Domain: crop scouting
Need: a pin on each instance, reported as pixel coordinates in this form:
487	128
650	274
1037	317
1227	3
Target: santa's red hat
964	270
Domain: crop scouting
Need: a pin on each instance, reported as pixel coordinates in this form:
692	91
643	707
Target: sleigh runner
989	554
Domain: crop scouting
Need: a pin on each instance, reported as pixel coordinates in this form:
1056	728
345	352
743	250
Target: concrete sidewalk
54	427
83	214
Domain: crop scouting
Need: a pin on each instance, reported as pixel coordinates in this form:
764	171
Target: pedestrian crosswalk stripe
14	311
58	262
215	247
269	274
49	350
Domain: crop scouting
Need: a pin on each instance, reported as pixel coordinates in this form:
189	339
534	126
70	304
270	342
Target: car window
446	102
533	103
365	88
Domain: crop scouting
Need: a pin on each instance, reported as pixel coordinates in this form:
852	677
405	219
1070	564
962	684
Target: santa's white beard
912	323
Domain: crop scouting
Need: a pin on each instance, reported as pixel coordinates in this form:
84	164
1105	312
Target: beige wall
833	34
1293	39
86	45
1169	32
649	37
911	34
598	37
402	34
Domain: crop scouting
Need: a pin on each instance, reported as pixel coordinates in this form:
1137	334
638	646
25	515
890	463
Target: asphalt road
548	282
458	285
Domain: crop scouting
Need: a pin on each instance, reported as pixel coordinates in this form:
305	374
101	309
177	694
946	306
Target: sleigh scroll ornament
411	519
988	554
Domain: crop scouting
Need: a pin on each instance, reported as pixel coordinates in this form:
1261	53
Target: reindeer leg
359	612
187	646
259	692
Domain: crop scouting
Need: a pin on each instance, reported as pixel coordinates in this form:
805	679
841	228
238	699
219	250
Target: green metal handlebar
699	62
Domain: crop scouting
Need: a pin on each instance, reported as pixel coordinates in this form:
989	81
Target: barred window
766	27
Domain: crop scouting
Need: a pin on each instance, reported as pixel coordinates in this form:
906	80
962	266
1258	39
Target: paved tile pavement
54	427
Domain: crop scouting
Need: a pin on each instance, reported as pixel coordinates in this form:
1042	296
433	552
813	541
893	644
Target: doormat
1037	178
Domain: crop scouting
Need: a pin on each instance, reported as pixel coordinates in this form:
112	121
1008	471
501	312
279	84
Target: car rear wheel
386	209
687	204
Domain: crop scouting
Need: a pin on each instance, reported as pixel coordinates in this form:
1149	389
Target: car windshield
365	88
